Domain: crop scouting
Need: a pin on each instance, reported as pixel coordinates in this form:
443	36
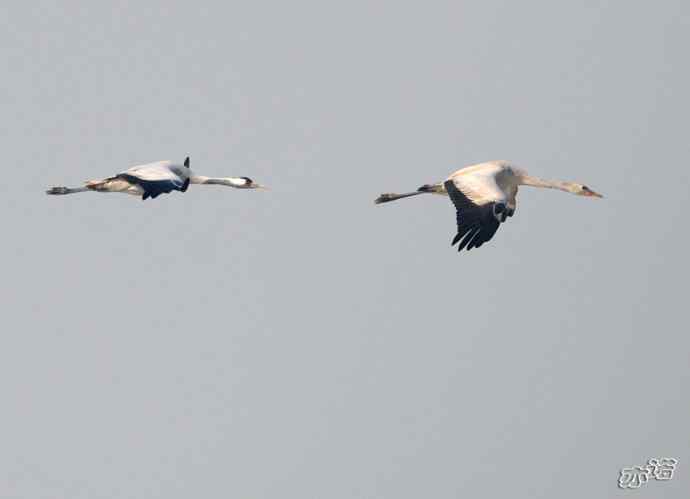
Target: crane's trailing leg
433	188
425	189
57	191
391	196
111	184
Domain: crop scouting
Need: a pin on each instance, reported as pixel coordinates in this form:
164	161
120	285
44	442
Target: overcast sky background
302	342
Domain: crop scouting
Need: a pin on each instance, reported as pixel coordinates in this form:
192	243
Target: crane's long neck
228	181
545	184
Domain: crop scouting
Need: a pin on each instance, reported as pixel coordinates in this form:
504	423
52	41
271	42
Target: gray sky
302	342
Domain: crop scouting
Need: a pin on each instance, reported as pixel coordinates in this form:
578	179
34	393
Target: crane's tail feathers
391	196
58	191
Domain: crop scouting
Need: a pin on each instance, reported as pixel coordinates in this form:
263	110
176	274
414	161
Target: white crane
484	196
153	179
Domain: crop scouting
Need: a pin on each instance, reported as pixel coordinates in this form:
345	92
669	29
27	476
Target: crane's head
575	188
247	183
583	190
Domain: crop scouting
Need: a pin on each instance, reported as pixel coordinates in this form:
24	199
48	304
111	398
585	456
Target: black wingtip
186	162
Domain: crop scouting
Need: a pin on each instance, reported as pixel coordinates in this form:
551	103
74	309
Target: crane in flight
153	179
484	196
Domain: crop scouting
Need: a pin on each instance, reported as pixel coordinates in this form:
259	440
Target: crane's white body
493	181
160	171
132	180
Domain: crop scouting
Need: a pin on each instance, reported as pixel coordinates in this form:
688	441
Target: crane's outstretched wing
479	214
157	178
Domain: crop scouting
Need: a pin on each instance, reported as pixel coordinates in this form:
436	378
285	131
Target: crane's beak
590	193
259	186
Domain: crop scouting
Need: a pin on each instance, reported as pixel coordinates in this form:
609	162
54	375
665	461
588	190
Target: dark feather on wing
154	188
477	224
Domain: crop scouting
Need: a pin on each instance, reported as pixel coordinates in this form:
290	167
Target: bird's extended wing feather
479	216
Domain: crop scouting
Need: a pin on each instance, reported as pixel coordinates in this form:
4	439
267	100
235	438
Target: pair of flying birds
483	194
